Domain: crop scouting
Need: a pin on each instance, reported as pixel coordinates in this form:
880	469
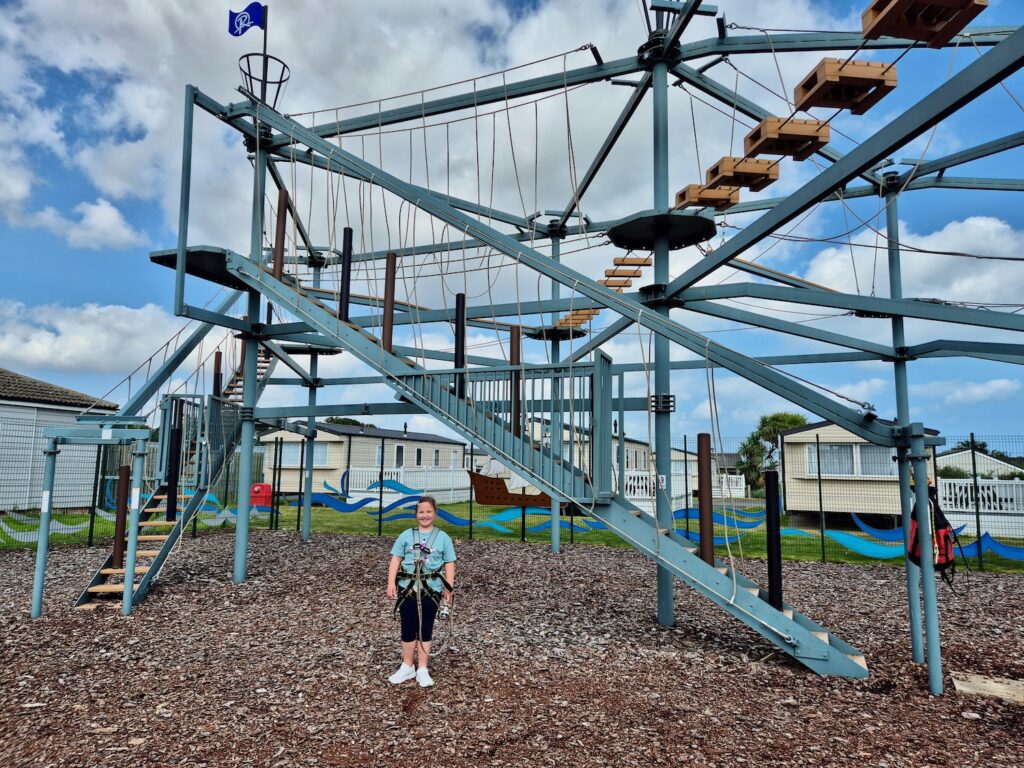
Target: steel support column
924	532
134	513
307	493
913	574
249	383
662	373
45	514
556	401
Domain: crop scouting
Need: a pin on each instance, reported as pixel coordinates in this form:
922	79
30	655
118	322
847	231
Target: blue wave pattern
394	485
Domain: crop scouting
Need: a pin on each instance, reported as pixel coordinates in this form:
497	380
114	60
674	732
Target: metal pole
821	499
266	23
899	367
621	453
345	289
45	514
472	468
217	375
138	470
174	461
388	321
299	485
924	531
662	374
556	409
706	523
250	352
183	202
686	482
773	538
460	344
95	493
380	490
307	497
120	515
977	502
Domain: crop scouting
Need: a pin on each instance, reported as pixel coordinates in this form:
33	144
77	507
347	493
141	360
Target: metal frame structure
273	138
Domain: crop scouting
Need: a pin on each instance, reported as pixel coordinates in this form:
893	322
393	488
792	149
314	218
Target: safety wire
716	434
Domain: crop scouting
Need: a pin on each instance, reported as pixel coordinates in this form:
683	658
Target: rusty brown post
121	515
279	232
515	358
173	461
217	375
388	326
704	491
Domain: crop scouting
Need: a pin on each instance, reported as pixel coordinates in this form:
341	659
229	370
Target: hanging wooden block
838	84
778	136
623	272
934	22
615	282
704	197
747	172
633	261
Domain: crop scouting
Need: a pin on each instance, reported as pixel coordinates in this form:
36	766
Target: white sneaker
404	673
423	678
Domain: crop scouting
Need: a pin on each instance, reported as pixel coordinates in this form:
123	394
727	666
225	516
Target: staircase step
155	523
147	552
100	589
858	659
164	496
823	636
153	537
721	569
755	591
788	613
139	570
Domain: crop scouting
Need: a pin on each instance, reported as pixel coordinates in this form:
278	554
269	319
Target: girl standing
424	550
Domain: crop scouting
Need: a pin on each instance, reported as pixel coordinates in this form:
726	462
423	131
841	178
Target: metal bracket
246	412
316	260
653	51
265	139
663	403
653	295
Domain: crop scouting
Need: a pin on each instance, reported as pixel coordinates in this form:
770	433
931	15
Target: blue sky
90	111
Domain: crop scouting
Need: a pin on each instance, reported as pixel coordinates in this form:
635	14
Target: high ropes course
377	232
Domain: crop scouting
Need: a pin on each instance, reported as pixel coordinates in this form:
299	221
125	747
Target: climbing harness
418	588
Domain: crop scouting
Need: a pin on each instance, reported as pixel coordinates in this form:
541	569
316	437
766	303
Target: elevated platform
204	261
638	232
555	333
934	22
697	196
780	136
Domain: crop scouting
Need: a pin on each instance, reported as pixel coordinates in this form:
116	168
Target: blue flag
253	16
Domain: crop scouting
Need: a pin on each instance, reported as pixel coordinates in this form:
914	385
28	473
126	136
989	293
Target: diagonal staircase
483	415
157	535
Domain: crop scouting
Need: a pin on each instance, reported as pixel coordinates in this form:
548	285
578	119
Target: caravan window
291	454
876	461
399	455
835	459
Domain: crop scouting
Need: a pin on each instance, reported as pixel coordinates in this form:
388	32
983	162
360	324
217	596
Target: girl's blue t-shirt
442	551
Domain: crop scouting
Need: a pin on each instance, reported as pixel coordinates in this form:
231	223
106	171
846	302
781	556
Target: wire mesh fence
839	501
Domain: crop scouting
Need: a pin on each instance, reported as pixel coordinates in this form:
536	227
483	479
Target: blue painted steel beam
174	361
216	318
684	14
965	155
675	6
977	77
400	408
308	379
919	308
279	182
618	127
535	85
772	380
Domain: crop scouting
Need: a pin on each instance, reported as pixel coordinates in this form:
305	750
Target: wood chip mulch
559	661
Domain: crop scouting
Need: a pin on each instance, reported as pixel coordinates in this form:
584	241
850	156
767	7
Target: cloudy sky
91	102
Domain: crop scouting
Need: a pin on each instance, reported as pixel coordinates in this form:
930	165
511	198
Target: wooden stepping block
704	197
100	589
615	282
1000	687
140	570
155	523
747	172
153	537
777	136
623	272
633	261
853	85
934	22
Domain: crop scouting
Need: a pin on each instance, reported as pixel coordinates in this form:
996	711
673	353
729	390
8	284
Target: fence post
45	513
298	506
821	499
704	499
120	516
774	538
380	491
95	493
686	483
472	468
977	502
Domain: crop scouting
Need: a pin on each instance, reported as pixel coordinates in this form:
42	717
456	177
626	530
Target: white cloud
958	392
100	225
90	338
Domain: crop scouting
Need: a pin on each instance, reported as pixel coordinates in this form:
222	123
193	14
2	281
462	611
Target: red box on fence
261	495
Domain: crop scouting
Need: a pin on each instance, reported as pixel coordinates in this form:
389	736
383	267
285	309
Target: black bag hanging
942	539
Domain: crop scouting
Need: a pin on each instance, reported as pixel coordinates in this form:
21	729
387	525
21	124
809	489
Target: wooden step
747	172
100	589
139	571
147	552
755	591
778	136
621	272
664	531
156	510
721	569
155	523
705	197
823	636
838	84
788	613
153	537
633	261
615	282
934	22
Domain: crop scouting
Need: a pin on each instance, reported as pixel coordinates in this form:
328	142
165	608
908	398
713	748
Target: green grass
326	520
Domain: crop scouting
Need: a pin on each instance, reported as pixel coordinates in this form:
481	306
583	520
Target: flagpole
266	23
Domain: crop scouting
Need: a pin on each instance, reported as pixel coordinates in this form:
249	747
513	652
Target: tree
759	451
348	422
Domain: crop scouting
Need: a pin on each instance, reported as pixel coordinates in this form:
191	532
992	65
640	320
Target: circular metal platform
638	232
555	333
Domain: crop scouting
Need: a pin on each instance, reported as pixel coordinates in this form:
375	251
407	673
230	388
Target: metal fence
840	500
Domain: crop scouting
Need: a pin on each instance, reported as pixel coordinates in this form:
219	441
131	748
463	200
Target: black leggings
418	624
